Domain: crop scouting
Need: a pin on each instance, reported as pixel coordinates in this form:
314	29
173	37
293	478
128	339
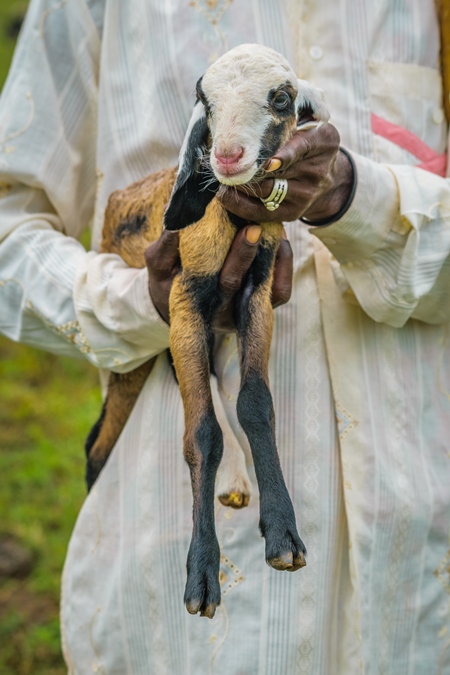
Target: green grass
47	406
9	10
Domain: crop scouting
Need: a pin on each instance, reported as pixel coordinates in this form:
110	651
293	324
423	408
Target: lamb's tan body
133	220
147	198
203	248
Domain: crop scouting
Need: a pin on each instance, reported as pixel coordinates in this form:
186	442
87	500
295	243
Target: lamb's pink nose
228	156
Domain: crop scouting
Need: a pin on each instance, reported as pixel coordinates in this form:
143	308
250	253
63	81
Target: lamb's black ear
310	105
191	193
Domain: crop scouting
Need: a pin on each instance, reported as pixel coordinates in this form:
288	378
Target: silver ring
279	192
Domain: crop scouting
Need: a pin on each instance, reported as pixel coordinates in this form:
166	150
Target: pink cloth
430	160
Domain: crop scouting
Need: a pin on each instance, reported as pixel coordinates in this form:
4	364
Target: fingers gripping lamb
249	103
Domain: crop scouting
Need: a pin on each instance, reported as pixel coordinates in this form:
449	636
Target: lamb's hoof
233	486
202	594
195	606
288	561
289	553
237	500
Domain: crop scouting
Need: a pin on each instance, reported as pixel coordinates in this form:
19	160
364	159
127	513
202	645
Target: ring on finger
279	192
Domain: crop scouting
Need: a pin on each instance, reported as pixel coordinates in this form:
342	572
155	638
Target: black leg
190	343
284	548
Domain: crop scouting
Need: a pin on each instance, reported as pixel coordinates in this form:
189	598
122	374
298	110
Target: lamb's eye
281	100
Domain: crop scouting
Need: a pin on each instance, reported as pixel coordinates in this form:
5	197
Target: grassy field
47	405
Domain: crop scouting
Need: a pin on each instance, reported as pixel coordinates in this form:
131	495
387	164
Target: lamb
249	103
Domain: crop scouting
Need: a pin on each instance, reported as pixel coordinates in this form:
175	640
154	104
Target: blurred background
47	406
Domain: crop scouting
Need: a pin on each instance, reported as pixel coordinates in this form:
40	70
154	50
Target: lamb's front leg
284	548
190	344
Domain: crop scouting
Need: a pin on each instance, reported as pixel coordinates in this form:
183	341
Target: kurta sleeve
391	250
53	294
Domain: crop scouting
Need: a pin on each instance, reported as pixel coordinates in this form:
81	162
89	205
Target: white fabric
360	356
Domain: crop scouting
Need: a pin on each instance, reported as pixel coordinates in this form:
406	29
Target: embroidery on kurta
213	11
47	13
222	617
230	576
6	149
230	580
346	423
70	331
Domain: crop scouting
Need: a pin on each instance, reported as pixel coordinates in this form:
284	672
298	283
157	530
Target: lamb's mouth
236	175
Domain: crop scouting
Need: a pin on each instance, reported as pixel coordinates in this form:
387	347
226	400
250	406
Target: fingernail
253	234
273	165
283	234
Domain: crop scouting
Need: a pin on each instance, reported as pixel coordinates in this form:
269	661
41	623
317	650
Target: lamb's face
250	104
250	100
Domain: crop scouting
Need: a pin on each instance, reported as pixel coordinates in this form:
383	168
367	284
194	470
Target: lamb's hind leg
284	548
123	390
190	343
233	486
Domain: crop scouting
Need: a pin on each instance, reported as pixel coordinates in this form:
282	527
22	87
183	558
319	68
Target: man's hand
162	258
163	263
320	180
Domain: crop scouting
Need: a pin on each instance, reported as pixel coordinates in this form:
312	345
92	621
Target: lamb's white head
253	102
249	103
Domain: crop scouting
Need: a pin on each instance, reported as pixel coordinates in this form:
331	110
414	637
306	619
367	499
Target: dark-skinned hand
163	263
320	180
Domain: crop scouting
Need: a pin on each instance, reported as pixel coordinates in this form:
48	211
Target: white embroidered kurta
99	95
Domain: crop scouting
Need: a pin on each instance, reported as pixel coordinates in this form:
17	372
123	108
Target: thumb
163	255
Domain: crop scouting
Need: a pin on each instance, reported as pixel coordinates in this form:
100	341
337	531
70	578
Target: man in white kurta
99	95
